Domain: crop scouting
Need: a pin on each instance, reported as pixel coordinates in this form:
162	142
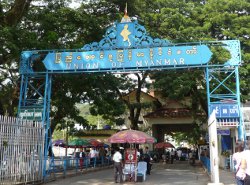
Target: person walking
117	158
245	163
237	157
179	152
102	155
92	156
172	156
146	158
81	158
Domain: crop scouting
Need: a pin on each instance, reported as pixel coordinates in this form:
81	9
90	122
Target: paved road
179	173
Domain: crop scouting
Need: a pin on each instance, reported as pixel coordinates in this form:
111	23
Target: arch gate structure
126	47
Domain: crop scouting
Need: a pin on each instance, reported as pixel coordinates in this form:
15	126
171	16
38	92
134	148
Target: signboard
223	132
128	58
127	46
225	110
130	155
34	114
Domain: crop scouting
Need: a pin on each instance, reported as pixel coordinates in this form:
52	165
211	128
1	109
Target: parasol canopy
78	143
59	142
131	136
95	143
164	145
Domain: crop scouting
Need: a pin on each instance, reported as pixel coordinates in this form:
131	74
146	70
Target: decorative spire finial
126	18
126	10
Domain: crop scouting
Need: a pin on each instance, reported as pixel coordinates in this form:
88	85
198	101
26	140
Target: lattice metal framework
131	41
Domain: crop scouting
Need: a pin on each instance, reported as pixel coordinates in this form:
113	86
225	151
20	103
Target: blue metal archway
127	47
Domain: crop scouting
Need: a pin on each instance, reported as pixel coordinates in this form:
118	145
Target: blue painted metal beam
46	121
126	47
222	100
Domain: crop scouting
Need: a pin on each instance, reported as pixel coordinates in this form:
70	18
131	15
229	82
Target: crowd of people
241	159
181	154
92	154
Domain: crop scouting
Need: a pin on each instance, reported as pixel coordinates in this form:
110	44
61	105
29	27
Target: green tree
11	13
45	24
189	21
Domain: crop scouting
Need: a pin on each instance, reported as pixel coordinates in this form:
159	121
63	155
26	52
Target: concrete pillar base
211	183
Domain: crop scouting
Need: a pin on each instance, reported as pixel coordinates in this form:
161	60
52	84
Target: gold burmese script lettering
69	58
119	55
123	59
58	58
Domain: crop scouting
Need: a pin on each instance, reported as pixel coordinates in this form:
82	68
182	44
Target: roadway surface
179	173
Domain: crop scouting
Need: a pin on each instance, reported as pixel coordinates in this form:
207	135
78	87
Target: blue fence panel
75	165
206	162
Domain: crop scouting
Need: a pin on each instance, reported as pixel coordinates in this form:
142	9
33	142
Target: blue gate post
65	161
241	135
208	90
214	99
77	164
86	160
122	51
94	162
46	121
102	160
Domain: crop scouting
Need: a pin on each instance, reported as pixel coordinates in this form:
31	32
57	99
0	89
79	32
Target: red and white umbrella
164	145
131	136
95	143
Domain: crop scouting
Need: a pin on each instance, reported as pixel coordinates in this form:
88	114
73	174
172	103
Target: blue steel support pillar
233	94
35	93
21	93
46	122
240	127
208	90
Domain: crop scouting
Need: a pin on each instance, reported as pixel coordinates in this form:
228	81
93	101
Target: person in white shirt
92	155
138	155
179	152
117	158
237	157
245	163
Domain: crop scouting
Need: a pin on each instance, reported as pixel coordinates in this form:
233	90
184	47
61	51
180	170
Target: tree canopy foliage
46	24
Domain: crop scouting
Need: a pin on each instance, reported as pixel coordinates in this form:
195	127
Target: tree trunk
17	11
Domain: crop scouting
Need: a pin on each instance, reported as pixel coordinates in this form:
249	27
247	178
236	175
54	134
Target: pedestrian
102	155
147	159
117	158
168	156
138	155
245	163
179	152
92	155
237	157
191	157
81	158
172	156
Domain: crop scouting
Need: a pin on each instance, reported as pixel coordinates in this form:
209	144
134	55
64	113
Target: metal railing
21	151
206	163
68	166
